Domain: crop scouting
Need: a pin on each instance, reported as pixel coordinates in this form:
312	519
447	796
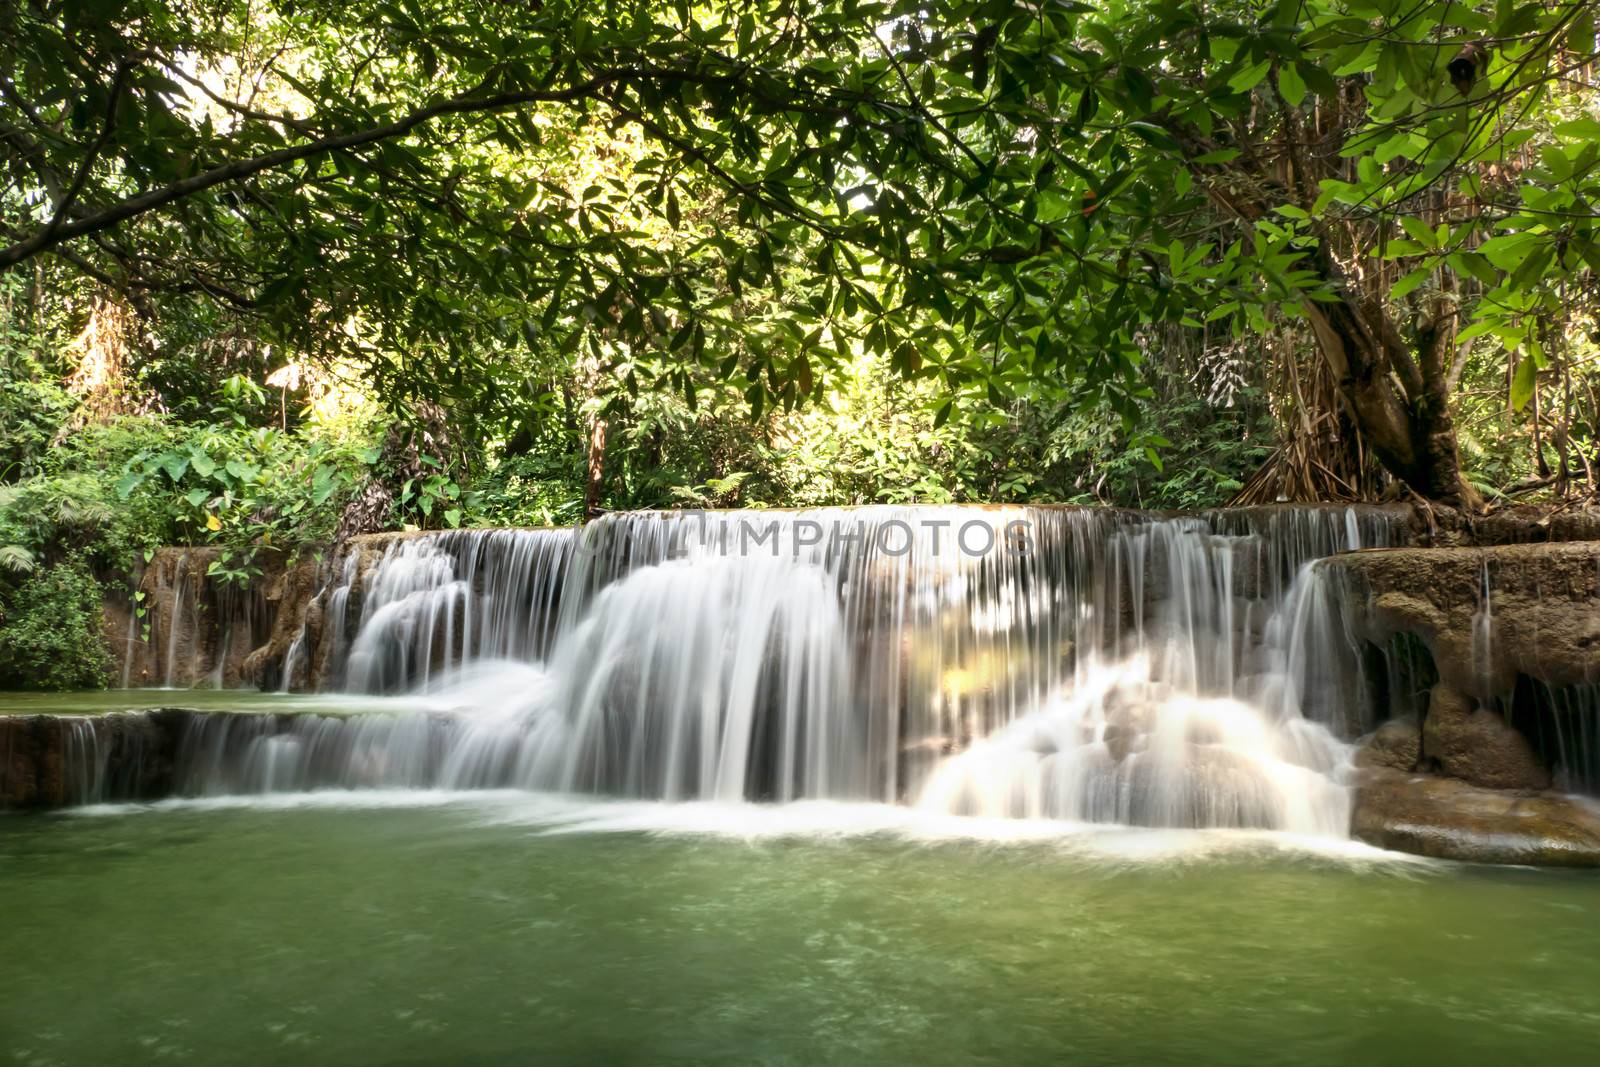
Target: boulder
1477	745
1119	739
1447	819
1397	745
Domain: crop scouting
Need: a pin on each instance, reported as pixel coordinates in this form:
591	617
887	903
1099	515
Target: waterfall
134	626
291	658
84	761
441	600
1483	627
1121	747
1080	664
175	623
1031	662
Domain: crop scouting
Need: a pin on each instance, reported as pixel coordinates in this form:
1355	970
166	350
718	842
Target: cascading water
1192	713
441	600
134	620
1068	663
174	624
1121	747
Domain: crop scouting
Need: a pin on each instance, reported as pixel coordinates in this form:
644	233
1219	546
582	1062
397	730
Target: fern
16	559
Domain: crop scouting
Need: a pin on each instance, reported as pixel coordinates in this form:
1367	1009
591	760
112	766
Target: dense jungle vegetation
276	271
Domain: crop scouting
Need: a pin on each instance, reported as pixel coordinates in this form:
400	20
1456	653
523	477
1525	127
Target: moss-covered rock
1477	745
1448	819
1397	745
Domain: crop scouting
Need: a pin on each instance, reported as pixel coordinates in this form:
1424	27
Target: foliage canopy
999	197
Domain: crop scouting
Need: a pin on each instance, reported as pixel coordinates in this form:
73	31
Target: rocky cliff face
185	628
1486	615
197	631
53	761
1495	748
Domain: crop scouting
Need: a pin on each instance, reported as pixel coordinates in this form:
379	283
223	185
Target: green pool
419	928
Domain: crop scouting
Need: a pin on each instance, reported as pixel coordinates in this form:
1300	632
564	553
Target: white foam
819	821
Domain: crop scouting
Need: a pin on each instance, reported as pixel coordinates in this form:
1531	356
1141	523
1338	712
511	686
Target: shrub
51	636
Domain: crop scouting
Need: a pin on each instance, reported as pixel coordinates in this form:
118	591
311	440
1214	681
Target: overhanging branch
60	229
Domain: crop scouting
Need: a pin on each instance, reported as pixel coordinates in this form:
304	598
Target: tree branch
119	83
59	231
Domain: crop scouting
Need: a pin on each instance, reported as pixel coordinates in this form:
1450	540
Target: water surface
410	928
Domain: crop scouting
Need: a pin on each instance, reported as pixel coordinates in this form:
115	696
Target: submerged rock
1448	819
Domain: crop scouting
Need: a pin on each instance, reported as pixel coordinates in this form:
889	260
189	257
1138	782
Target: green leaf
1420	231
1291	84
1088	105
1410	282
1250	77
1522	383
1508	251
1475	265
1586	130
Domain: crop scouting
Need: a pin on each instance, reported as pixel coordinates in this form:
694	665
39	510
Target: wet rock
1397	745
21	763
1541	617
291	599
1477	745
1119	739
198	629
1533	523
37	762
1447	819
51	761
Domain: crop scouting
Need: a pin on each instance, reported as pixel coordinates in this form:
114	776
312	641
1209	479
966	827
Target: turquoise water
394	928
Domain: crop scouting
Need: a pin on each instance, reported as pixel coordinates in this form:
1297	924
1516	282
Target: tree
991	193
1337	131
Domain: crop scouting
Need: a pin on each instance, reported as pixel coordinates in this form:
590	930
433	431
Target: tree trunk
1410	430
1397	393
595	481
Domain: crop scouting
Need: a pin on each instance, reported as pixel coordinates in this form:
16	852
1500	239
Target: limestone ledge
1540	618
1445	818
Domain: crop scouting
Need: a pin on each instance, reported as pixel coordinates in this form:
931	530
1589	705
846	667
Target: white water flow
135	623
1483	628
175	623
1090	665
